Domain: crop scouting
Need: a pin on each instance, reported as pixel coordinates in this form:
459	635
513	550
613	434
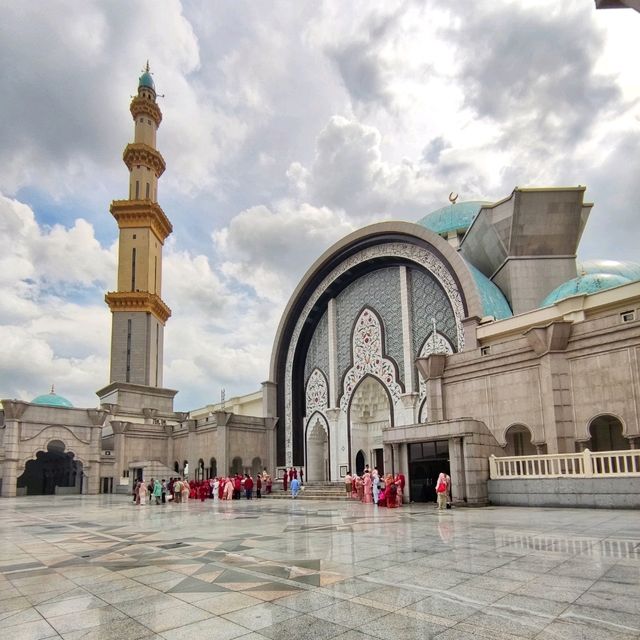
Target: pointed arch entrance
317	451
370	411
52	468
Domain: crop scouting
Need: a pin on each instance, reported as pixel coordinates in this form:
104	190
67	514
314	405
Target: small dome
454	217
146	80
585	285
52	399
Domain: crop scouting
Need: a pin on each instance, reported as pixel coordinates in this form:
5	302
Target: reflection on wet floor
99	568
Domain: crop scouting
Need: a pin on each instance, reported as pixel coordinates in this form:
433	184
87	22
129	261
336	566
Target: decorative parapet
134	214
141	153
145	107
138	301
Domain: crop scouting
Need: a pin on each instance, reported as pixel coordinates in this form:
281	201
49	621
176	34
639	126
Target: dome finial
52	388
147	67
453	197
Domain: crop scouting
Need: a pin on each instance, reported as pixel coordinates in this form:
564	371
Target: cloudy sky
286	125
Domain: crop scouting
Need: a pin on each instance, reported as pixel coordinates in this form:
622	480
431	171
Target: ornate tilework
380	290
318	351
317	393
410	252
368	358
429	301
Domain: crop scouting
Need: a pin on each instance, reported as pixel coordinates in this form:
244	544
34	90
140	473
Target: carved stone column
13	411
432	368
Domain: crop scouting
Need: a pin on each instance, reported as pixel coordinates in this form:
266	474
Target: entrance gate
427	460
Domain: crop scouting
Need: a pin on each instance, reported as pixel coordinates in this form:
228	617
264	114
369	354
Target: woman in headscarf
441	491
228	489
366	488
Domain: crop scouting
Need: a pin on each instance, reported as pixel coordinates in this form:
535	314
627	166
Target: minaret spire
139	313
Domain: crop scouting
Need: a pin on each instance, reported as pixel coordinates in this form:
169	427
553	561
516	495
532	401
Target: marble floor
98	568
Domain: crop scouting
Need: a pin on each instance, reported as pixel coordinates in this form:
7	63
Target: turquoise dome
626	269
455	217
52	399
585	285
493	301
146	81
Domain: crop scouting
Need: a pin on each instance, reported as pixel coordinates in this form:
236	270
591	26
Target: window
137	189
628	316
134	236
128	372
485	351
147	192
133	269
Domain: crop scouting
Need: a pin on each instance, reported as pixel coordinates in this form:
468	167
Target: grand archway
369	413
52	468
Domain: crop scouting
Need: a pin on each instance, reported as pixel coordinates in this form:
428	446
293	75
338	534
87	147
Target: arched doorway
256	466
200	471
518	439
317	452
52	468
360	462
176	466
606	434
236	466
369	413
185	469
213	468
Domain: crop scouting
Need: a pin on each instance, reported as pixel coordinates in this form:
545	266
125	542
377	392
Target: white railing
586	464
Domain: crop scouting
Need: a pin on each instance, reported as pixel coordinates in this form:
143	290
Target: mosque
411	346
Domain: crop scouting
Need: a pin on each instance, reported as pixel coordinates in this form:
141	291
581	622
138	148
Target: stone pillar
407	334
334	391
119	444
388	457
338	445
222	449
634	441
13	411
192	449
457	470
403	468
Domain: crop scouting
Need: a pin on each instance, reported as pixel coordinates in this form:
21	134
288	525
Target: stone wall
619	493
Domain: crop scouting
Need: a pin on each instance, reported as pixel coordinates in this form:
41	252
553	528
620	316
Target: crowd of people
371	488
178	489
374	488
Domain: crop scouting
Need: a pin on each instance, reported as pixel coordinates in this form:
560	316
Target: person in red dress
295	472
248	486
285	477
221	488
301	476
258	486
203	491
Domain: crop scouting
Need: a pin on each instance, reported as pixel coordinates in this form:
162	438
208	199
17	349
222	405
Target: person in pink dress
367	483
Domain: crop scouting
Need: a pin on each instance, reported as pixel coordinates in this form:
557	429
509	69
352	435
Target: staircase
311	491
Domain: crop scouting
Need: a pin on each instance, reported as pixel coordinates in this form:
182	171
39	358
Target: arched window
236	465
606	434
176	466
213	468
519	441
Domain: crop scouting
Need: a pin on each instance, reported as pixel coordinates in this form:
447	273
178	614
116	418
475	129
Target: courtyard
98	567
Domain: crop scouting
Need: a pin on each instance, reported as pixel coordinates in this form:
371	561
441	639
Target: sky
286	125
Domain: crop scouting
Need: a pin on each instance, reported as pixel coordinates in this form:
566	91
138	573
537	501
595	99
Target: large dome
626	269
52	399
584	285
454	217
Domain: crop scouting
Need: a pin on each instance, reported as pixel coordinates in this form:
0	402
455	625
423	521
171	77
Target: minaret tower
138	311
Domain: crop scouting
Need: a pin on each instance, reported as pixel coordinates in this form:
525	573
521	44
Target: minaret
138	311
